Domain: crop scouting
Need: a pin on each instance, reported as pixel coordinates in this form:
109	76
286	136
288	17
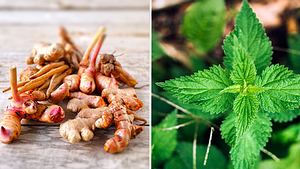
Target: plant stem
273	156
195	147
196	118
178	126
208	146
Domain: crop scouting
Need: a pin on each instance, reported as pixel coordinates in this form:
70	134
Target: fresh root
125	130
108	66
73	82
39	81
21	107
27	73
56	80
45	52
50	81
46	69
87	82
60	93
83	126
73	54
91	100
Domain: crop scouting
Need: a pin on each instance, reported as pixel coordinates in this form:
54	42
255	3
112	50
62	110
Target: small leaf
228	129
245	107
203	88
203	24
285	116
245	152
251	37
243	70
164	141
157	51
281	89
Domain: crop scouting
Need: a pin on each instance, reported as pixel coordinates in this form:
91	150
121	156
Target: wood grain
24	23
42	147
74	4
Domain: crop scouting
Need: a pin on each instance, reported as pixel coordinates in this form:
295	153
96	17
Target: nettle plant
248	90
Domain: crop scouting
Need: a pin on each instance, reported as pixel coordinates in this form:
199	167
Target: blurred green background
187	36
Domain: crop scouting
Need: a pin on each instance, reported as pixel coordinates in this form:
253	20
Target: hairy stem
197	118
208	146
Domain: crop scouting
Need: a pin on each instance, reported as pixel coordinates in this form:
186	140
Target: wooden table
24	23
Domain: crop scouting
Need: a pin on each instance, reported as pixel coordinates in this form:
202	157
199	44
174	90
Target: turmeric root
108	66
91	100
103	82
126	96
125	130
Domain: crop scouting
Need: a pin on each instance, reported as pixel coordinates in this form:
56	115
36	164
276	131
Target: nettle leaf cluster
249	90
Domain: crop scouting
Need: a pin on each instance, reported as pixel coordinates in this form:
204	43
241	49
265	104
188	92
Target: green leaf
157	51
245	107
204	23
185	157
243	70
175	163
203	88
228	129
281	89
285	116
164	141
251	37
288	135
245	152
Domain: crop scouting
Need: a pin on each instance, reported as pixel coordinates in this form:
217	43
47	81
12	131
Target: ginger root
82	127
45	52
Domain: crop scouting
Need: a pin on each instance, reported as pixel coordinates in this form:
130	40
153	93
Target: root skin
73	82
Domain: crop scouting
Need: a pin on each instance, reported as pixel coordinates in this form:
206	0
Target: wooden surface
24	23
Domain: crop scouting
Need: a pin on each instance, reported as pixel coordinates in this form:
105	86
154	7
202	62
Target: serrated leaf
281	89
251	37
285	116
245	107
228	129
185	157
243	69
157	51
245	152
203	88
204	23
164	141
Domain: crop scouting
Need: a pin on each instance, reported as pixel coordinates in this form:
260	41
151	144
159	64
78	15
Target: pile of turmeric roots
91	85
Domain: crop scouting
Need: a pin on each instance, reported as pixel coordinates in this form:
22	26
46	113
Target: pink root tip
57	114
4	132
